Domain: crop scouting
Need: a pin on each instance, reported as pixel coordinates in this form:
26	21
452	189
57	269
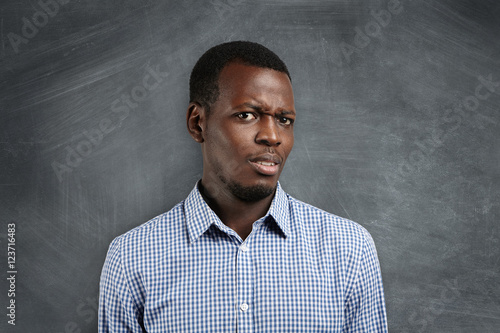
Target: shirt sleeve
365	306
118	311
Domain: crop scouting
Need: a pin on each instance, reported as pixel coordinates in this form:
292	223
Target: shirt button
244	248
244	306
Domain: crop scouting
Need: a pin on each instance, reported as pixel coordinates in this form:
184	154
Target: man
239	254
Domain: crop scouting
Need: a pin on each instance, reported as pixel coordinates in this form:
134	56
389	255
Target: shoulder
321	224
151	234
344	244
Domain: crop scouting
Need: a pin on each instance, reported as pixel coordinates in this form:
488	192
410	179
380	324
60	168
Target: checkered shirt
300	270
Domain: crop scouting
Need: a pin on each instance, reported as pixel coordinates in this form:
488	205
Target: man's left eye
285	120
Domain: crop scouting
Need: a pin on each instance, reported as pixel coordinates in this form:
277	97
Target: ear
195	118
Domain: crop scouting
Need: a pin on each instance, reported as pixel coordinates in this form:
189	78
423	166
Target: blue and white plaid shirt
300	270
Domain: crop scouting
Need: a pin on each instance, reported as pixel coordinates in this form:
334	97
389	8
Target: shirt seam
140	317
356	279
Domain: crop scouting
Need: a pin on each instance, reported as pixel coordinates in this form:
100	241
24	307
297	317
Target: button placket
244	287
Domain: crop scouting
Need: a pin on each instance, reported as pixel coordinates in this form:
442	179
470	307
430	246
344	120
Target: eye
285	120
246	115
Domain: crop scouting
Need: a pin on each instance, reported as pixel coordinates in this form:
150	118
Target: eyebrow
260	109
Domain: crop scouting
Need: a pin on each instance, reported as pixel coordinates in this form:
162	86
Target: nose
268	133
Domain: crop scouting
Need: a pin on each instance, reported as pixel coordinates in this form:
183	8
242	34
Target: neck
237	214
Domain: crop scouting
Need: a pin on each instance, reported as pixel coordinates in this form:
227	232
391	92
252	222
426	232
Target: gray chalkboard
397	129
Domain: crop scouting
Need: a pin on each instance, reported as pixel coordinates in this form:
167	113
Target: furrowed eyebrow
287	112
260	109
251	106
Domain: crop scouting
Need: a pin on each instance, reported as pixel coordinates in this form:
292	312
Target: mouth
268	165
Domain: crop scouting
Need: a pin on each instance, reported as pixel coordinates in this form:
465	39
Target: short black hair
204	80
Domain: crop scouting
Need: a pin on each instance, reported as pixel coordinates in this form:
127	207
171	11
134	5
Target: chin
252	193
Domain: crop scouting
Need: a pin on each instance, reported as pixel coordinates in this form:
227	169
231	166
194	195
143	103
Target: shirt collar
199	216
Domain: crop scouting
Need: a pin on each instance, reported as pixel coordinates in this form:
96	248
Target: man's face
248	132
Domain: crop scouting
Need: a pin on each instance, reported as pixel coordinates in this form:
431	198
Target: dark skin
245	140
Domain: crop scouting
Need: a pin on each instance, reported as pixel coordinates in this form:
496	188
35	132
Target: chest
269	285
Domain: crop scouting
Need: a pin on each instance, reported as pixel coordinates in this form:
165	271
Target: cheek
239	142
228	148
216	138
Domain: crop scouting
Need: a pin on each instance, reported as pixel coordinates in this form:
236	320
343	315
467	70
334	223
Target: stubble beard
252	193
249	193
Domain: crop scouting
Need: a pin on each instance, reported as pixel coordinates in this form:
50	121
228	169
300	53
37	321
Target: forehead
238	82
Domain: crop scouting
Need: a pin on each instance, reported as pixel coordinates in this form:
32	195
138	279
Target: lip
266	164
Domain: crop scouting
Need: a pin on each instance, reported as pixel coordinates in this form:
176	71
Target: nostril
269	143
268	136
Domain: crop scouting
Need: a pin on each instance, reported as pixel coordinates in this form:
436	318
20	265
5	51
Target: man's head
243	120
203	83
